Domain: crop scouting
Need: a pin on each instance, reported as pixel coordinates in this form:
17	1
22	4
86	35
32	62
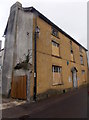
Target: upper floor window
72	57
55	44
83	72
81	59
55	48
71	50
80	49
54	32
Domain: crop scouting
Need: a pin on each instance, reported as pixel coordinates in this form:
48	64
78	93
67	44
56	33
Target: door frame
73	70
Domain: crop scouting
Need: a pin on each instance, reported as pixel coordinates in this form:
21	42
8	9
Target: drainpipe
35	70
35	76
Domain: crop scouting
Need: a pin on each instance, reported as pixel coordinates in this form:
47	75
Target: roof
33	10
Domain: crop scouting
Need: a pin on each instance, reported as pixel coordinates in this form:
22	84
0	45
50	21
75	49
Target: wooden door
18	88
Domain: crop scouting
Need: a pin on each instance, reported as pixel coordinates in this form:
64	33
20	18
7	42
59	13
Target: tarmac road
69	105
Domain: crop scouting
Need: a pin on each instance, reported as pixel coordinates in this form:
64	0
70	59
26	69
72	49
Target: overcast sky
69	15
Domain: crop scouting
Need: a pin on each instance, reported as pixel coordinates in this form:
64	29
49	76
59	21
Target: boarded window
72	57
55	48
71	51
57	75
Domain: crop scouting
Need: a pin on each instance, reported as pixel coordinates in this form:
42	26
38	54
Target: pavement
9	103
73	104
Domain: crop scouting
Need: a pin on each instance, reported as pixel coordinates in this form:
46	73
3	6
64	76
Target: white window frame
59	68
59	71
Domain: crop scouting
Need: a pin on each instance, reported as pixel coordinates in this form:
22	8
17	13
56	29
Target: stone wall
1	66
17	43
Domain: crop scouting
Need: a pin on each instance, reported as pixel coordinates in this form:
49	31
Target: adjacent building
1	65
39	57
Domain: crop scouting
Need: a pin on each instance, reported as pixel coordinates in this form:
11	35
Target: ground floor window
57	75
83	76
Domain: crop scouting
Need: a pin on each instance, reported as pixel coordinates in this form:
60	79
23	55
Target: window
71	50
83	76
54	32
55	44
55	48
80	49
56	69
57	76
81	59
83	72
72	57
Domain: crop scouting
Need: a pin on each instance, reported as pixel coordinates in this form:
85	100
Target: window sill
82	64
73	61
57	84
56	56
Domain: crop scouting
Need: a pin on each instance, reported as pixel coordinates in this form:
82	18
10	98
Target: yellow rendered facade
47	56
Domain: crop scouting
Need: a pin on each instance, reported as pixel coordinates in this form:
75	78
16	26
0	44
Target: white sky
69	15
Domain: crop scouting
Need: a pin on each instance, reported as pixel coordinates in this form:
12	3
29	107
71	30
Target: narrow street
69	105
